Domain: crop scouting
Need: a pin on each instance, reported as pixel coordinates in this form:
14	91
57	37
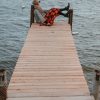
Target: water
14	25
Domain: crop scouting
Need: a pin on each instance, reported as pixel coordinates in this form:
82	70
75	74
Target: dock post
32	15
97	92
3	85
70	17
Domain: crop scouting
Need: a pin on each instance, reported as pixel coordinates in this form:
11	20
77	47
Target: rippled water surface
14	24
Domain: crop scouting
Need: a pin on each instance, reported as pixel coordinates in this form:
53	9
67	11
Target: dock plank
56	98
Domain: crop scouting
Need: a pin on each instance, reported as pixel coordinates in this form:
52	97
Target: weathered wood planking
55	98
48	67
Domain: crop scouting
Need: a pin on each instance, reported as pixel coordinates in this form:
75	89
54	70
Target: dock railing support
32	15
97	91
70	21
3	85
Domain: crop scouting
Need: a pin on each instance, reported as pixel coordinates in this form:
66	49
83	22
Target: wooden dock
48	67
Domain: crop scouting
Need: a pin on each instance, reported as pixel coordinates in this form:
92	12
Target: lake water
14	25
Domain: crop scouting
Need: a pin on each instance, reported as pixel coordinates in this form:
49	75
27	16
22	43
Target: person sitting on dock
47	17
